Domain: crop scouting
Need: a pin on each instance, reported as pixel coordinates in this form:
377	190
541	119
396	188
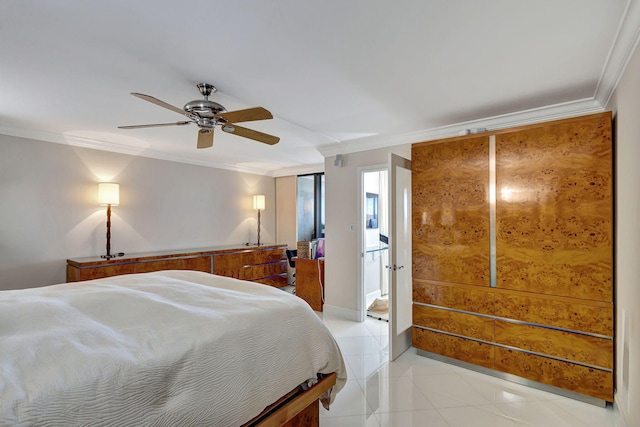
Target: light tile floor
418	391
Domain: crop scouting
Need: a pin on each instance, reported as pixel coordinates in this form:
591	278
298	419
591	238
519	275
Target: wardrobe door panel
554	209
451	211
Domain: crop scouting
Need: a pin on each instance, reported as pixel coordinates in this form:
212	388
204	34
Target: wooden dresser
262	264
513	252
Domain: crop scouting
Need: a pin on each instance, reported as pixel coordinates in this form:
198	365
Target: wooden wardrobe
513	253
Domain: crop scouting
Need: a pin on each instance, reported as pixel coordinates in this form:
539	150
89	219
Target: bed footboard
297	408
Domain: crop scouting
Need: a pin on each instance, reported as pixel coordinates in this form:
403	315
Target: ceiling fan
207	114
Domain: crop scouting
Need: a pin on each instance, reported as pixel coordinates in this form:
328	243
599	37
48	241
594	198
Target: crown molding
299	170
624	45
536	115
114	147
520	118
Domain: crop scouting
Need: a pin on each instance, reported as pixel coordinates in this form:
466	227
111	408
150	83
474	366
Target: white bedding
171	348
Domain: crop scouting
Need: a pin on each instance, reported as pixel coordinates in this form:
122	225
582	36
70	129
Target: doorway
374	227
385	248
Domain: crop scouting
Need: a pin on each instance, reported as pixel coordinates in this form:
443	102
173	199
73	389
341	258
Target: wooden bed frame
298	408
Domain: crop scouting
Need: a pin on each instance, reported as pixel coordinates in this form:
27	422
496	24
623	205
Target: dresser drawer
275	281
259	271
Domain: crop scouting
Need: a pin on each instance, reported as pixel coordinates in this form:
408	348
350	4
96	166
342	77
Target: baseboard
342	313
620	417
371	297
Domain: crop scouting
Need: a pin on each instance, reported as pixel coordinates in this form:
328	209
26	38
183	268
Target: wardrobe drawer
475	299
579	348
457	348
565	313
464	324
580	379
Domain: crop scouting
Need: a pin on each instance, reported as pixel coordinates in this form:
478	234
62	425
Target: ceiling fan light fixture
228	128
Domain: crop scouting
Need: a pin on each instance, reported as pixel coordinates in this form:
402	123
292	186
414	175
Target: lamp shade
258	201
108	193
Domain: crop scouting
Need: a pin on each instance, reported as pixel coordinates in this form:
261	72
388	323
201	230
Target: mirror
371	210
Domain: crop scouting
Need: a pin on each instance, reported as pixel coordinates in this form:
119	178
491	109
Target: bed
163	348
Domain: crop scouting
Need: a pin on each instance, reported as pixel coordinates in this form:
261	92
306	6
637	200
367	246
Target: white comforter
171	348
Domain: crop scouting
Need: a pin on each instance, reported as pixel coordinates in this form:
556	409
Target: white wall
626	107
49	208
286	230
342	258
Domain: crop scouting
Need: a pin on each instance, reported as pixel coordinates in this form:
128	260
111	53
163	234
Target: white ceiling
339	76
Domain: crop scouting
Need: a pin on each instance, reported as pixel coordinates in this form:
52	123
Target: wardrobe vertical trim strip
492	210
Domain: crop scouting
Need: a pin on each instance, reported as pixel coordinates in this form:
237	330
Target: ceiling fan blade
154	125
251	134
248	115
205	140
158	102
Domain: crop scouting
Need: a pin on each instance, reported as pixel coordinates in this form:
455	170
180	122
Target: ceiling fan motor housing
204	108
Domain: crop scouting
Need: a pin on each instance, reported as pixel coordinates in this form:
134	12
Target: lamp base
109	256
258	227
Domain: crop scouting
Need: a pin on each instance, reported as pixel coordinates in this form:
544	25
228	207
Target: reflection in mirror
372	210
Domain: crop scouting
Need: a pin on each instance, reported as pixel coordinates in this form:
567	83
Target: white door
400	292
